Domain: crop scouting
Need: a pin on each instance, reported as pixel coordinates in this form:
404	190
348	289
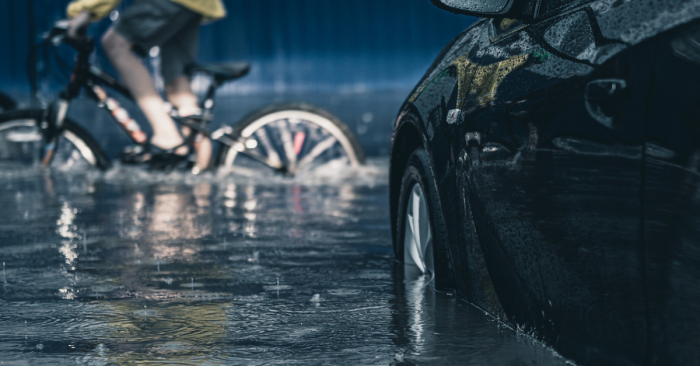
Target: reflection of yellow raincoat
210	9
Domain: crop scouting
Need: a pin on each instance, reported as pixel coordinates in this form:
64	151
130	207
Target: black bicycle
286	138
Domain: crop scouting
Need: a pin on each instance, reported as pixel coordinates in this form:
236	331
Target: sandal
136	154
168	160
156	157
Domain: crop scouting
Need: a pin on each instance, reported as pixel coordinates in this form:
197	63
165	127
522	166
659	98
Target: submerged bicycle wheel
290	138
22	143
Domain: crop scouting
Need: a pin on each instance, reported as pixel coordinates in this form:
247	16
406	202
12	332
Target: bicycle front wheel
291	138
22	143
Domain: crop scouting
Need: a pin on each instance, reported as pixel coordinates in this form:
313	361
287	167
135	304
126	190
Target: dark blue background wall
356	58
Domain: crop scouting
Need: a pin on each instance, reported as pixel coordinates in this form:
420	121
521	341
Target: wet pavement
129	266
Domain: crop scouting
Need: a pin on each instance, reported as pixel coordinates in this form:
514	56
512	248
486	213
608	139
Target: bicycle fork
51	127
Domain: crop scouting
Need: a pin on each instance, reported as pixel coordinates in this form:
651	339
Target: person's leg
176	54
140	84
180	95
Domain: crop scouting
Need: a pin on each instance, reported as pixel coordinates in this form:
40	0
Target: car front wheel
422	240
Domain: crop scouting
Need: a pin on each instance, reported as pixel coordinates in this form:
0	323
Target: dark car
546	169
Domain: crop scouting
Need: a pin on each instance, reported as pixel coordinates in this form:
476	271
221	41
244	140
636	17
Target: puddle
206	270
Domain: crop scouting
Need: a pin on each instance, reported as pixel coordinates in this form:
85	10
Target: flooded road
127	267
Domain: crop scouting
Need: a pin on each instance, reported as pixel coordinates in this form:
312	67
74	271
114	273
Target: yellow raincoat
209	9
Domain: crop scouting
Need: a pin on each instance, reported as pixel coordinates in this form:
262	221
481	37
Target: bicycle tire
6	103
81	140
265	116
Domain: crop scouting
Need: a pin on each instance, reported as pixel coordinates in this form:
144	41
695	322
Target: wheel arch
408	135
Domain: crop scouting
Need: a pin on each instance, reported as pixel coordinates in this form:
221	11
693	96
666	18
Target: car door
672	199
553	135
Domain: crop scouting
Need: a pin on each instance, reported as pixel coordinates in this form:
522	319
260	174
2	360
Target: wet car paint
131	266
564	151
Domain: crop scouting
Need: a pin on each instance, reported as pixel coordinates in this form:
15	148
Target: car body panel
671	200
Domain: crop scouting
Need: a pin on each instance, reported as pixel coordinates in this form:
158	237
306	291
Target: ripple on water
277	287
129	296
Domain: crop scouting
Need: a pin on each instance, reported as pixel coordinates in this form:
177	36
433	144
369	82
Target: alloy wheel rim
418	240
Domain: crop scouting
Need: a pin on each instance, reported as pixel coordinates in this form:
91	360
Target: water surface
130	266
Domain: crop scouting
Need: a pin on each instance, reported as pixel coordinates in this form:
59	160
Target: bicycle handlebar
59	34
56	35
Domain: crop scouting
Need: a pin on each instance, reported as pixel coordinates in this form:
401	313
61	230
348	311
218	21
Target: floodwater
129	266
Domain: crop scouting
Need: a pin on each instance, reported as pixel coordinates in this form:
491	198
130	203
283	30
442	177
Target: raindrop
192	278
85	242
4	279
158	262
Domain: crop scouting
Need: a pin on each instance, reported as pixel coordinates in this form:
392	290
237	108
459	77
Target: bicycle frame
90	78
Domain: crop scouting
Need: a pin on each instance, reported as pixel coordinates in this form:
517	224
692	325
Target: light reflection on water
169	269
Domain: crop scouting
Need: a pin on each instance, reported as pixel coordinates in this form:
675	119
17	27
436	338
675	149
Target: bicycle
286	138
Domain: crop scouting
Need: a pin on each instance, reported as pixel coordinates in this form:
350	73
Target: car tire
419	209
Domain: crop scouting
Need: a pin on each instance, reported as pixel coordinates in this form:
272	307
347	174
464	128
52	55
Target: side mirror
480	8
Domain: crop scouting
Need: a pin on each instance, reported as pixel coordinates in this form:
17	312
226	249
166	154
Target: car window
550	6
504	26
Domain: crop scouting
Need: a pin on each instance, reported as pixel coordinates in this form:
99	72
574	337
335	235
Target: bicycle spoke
319	149
288	145
262	159
273	158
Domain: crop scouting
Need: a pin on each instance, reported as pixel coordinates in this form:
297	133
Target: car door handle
473	145
604	98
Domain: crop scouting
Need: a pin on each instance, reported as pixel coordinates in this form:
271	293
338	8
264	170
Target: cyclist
173	26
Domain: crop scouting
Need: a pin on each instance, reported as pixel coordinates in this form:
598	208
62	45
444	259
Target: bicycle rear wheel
291	138
22	143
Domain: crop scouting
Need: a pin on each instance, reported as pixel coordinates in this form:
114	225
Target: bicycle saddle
222	72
